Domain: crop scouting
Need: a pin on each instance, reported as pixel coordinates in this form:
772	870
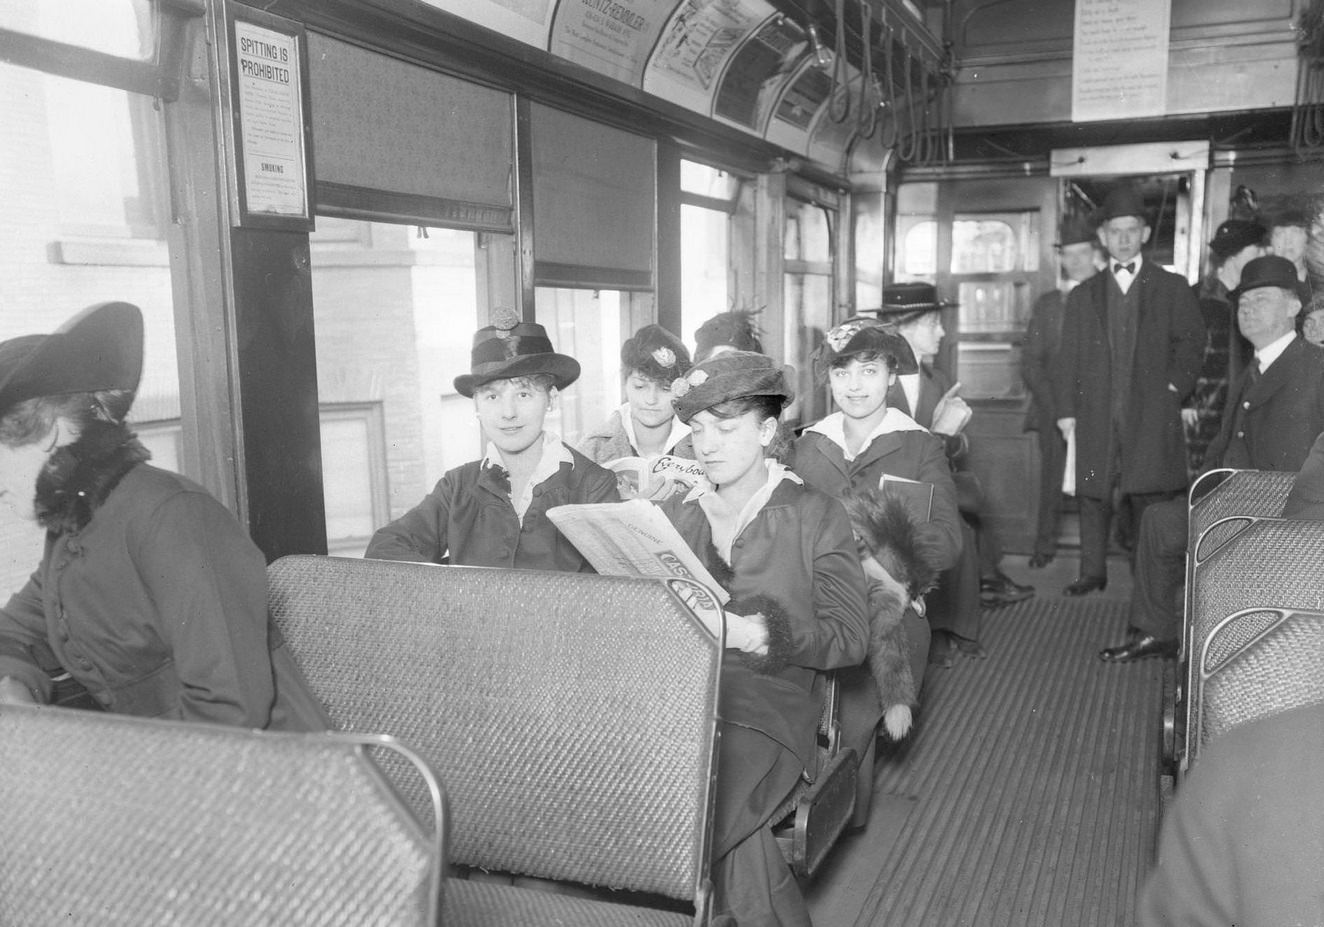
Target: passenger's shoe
1001	590
1039	561
969	648
1087	584
940	650
1139	648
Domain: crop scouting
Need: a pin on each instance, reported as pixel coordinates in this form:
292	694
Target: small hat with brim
903	302
865	336
100	348
656	353
1270	270
727	376
509	348
1234	235
1123	201
1076	230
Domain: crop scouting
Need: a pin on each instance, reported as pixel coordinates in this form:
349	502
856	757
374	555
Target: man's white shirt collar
1273	350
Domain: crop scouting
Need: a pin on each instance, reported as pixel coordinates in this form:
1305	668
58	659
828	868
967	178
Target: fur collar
78	478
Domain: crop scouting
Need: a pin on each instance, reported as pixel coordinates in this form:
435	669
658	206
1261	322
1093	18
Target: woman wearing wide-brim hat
149	594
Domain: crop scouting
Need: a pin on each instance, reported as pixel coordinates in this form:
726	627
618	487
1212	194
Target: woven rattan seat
113	820
571	716
1251	602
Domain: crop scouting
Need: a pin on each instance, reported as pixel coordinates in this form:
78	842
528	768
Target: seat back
1259	565
572	716
1256	663
114	820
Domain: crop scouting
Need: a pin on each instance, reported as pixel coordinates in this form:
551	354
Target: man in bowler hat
493	511
1274	413
1132	344
1043	337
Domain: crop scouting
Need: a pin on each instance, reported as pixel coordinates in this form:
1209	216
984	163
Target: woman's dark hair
30	420
763	407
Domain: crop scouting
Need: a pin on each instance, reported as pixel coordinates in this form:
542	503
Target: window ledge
118	252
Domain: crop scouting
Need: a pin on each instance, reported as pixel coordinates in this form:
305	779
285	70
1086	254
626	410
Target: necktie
1254	372
1129	268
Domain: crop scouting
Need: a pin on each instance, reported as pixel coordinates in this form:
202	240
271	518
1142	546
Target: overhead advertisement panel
525	20
612	37
754	79
696	45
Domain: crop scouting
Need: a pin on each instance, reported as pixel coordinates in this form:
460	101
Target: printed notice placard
271	121
1120	65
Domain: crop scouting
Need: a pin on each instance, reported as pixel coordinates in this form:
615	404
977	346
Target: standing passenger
847	454
1043	338
150	594
1289	233
786	555
1132	345
493	511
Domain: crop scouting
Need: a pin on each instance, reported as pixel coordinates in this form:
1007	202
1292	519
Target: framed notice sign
271	127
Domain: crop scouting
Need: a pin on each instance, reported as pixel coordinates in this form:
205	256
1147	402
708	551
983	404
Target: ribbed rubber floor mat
1034	778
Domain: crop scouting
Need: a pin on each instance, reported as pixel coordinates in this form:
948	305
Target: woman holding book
786	555
848	454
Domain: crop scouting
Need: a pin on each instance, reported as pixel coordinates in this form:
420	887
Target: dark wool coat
1272	424
158	607
933	385
1043	340
1169	349
468	520
1306	500
799	552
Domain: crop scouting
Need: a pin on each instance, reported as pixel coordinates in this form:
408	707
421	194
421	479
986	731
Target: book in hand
656	479
916	495
632	539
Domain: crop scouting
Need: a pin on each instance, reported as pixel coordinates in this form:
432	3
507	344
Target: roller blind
409	140
594	202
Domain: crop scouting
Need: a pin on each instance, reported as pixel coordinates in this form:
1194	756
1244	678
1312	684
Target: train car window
707	181
83	173
394	307
807	287
123	28
919	251
705	260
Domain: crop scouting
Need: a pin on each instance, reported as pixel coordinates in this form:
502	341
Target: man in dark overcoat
1132	344
1274	413
1043	337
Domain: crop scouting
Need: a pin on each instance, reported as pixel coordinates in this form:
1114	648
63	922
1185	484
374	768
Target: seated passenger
493	511
929	397
1306	499
847	454
150	595
1243	842
645	428
727	331
785	553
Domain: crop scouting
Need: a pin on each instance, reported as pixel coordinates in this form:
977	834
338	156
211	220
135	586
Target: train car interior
315	204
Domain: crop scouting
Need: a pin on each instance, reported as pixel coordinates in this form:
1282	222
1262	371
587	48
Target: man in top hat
1236	242
930	397
493	511
1043	336
1132	344
1274	413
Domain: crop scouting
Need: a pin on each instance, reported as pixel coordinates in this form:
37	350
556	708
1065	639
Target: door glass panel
704	253
983	247
124	28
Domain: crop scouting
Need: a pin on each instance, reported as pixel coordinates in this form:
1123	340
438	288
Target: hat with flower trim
863	335
656	353
509	348
732	375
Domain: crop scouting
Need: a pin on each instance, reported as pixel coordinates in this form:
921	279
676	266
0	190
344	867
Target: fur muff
775	618
900	557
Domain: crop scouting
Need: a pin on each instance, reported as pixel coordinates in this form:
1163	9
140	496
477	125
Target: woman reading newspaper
785	553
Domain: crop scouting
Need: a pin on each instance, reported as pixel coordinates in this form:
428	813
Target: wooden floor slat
1029	797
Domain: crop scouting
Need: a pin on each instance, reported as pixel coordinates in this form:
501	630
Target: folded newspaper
632	539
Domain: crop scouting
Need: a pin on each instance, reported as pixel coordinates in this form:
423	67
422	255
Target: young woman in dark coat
150	594
786	555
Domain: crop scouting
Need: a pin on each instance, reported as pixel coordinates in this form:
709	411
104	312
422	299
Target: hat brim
101	348
563	370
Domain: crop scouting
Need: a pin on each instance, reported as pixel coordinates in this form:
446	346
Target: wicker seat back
113	820
1262	564
1252	493
572	716
1256	663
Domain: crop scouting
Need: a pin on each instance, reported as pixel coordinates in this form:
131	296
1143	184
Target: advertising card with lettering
1120	61
612	37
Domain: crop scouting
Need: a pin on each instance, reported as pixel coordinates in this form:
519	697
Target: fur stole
900	557
775	618
78	477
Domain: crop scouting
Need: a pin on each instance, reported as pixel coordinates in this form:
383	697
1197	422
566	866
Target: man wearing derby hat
1075	251
1132	344
492	512
1274	413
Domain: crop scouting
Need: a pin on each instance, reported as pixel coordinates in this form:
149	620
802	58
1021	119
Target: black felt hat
1123	201
100	348
865	336
1270	270
905	301
736	329
509	348
726	376
1236	234
1076	230
656	353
